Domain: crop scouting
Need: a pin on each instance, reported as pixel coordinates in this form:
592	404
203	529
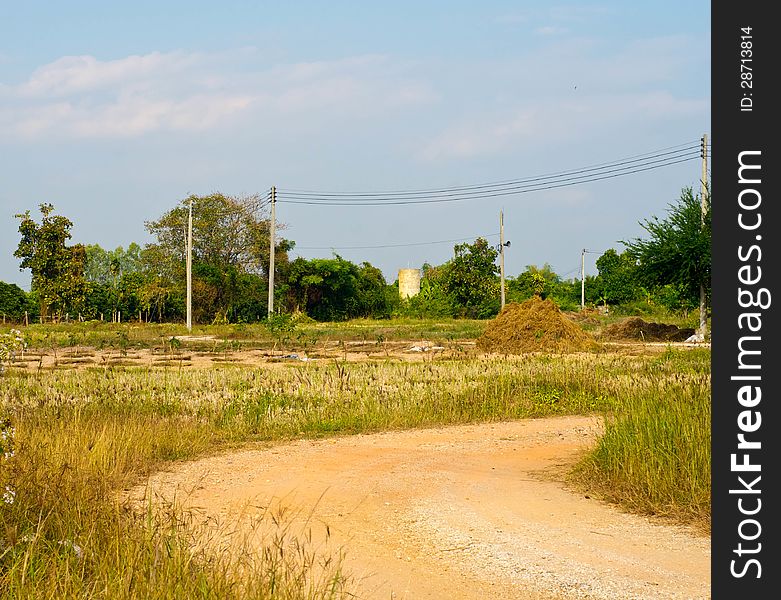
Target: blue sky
114	112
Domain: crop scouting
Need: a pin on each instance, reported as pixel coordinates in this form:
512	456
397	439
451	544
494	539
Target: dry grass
535	325
85	434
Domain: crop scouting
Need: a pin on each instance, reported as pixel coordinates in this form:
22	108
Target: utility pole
583	279
190	268
271	231
501	253
703	190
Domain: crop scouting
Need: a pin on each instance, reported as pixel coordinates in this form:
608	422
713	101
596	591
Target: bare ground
464	512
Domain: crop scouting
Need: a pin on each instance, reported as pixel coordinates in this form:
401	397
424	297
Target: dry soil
464	512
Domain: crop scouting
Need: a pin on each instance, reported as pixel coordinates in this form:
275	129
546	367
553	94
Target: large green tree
618	274
57	269
334	289
470	279
230	248
13	301
677	251
227	231
540	281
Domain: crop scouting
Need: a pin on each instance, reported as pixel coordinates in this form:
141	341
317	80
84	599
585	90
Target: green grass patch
655	455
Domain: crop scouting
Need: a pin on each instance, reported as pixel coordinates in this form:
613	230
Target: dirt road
464	512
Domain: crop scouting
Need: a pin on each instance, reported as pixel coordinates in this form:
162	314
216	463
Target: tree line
231	258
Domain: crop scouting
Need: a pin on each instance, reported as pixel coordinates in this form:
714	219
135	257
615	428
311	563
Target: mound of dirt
535	325
636	329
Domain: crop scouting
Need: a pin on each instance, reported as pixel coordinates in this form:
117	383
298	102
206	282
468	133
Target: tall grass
655	454
84	435
66	535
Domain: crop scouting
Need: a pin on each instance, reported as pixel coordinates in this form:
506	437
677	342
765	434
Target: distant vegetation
230	278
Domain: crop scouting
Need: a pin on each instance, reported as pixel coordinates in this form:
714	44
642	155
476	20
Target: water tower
409	282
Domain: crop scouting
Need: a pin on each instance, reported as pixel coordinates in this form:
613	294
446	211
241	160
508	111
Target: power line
564	179
570	272
509	192
392	245
602	166
221	212
515	184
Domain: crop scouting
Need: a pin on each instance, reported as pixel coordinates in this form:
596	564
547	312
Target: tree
13	301
470	278
619	276
107	266
678	251
162	293
57	269
230	240
432	301
373	292
226	231
534	281
334	289
114	278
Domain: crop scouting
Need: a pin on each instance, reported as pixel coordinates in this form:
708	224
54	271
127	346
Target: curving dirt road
465	512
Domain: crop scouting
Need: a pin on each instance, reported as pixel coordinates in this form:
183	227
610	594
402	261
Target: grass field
83	435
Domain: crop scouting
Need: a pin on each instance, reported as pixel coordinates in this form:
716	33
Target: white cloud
78	74
82	96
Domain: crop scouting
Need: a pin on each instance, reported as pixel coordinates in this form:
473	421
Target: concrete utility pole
190	268
501	252
703	329
271	231
583	279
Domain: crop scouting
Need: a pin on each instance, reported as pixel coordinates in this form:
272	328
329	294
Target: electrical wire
563	275
521	189
511	185
599	167
663	157
393	245
638	163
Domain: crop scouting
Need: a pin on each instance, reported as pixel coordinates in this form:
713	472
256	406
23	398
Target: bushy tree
618	274
433	300
334	289
227	231
374	294
678	249
470	279
544	282
230	255
534	281
57	269
13	301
